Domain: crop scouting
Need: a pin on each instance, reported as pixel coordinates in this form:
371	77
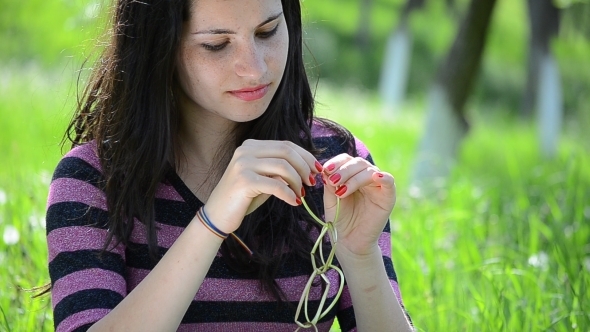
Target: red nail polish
311	180
331	167
302	192
380	175
318	166
341	191
298	201
324	181
335	178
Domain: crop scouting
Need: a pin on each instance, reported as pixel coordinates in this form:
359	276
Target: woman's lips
250	94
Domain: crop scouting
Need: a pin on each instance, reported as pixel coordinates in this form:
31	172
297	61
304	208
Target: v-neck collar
191	199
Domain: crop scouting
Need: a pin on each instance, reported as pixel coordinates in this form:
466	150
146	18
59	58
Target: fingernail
311	180
298	201
331	167
380	175
318	166
335	178
341	191
324	181
302	192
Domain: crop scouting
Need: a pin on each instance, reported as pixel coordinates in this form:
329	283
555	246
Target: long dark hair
129	109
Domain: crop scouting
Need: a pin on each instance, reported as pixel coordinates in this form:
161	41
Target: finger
309	158
276	187
355	181
357	173
346	167
333	165
384	180
279	169
231	200
256	202
302	161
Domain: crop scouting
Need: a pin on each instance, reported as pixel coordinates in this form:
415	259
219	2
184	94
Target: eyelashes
268	34
262	34
214	48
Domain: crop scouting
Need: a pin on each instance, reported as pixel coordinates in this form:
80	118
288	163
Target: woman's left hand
367	197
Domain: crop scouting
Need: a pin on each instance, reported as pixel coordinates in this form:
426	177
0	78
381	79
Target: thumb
386	183
260	199
256	202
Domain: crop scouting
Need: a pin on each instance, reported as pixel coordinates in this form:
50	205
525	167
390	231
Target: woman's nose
250	62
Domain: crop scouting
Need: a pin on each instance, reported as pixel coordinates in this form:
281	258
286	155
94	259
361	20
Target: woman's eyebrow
230	32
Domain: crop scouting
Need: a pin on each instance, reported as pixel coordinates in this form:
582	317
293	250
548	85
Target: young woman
197	123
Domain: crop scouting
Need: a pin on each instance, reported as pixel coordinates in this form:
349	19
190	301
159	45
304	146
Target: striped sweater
87	283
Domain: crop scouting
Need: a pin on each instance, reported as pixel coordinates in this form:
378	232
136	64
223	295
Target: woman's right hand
257	170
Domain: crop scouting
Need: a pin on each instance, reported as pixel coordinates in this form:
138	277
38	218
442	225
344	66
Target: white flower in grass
11	235
45	177
2	197
540	260
36	221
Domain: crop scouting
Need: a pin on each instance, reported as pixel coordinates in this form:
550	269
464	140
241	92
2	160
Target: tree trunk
543	87
363	34
550	105
396	62
396	69
446	124
544	24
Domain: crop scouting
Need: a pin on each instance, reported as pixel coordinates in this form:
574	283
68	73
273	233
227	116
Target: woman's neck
203	142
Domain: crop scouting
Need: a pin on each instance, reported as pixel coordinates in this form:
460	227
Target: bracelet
205	221
209	225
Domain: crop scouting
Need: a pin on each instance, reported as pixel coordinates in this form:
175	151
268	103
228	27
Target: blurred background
480	109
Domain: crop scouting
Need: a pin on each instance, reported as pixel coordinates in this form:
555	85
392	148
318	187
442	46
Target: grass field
502	245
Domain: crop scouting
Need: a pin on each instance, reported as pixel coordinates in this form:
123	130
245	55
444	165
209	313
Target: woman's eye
262	34
214	48
268	34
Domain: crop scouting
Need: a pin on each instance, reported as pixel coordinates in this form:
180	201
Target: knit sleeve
345	313
86	281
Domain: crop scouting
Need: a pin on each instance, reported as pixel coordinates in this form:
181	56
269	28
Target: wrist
348	259
216	217
204	219
211	227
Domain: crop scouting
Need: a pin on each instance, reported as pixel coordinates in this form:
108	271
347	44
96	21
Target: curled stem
327	227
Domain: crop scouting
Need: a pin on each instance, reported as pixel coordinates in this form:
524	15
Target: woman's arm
159	302
376	306
367	197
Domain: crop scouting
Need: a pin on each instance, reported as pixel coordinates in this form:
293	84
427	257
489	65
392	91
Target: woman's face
232	57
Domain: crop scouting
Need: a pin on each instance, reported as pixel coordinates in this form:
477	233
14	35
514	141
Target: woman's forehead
231	14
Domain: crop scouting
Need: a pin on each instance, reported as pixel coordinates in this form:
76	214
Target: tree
446	124
363	33
396	62
543	87
544	24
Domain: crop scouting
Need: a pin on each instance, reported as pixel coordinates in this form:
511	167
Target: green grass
503	244
32	108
